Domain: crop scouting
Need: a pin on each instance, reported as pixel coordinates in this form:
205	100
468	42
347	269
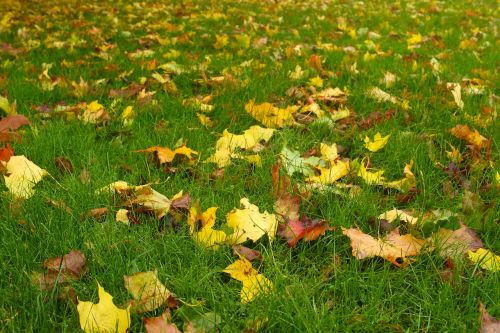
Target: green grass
318	286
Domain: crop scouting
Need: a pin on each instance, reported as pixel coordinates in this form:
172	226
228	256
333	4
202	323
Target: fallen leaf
5	154
293	162
204	234
64	165
396	214
103	317
253	282
9	108
22	176
148	292
160	324
271	116
9	125
96	213
249	223
166	155
330	175
473	137
488	323
122	216
394	247
456	91
72	263
377	143
228	146
485	258
305	228
247	253
456	243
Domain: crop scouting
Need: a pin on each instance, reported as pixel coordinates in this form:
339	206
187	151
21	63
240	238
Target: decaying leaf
160	324
249	223
61	270
22	176
487	323
103	317
394	247
247	253
472	137
485	258
148	291
143	196
9	125
377	143
456	243
253	282
271	116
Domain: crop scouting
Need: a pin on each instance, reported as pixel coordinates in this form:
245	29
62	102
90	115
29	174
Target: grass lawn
99	80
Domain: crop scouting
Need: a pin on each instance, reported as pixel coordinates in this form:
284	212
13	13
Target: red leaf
246	252
6	152
309	230
12	123
73	263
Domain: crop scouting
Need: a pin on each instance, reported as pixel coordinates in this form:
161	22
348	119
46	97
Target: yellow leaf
316	81
328	152
103	317
148	292
22	176
227	145
122	216
330	175
167	155
271	116
205	120
486	259
409	181
206	236
220	41
394	214
253	282
10	109
94	113
456	91
377	143
371	178
249	223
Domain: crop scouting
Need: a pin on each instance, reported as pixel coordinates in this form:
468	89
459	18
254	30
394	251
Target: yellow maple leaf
229	144
409	181
10	109
377	143
271	116
249	223
122	216
207	236
486	259
371	178
328	152
103	317
94	113
394	214
167	155
22	176
253	282
148	291
330	175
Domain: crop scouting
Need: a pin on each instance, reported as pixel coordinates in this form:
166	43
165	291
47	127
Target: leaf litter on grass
207	78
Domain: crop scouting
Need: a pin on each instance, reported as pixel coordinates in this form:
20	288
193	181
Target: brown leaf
471	202
129	91
12	123
160	325
451	243
249	254
394	248
488	323
64	165
182	202
95	213
73	263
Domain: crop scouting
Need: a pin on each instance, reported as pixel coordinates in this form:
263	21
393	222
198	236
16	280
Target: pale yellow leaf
22	176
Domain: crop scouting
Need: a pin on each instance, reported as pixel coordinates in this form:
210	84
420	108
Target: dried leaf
488	323
453	243
148	292
305	228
